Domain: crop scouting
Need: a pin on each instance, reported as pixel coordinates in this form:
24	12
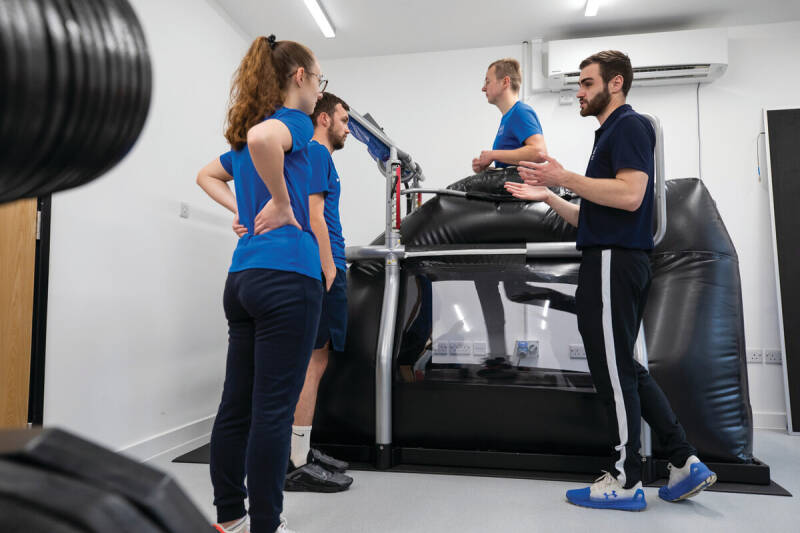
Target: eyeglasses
323	81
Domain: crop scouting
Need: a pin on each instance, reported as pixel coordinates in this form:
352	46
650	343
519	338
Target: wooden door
17	268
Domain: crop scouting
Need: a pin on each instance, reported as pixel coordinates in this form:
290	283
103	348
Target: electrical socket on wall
773	357
184	213
576	351
755	355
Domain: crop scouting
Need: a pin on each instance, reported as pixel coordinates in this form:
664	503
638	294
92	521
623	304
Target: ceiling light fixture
591	8
321	18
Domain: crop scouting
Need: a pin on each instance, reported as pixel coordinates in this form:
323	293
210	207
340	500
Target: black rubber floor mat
201	455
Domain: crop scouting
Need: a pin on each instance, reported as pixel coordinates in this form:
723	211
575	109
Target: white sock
239	527
301	445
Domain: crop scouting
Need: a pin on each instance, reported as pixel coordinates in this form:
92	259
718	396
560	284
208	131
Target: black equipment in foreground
54	482
75	83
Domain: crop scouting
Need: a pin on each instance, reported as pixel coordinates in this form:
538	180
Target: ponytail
259	84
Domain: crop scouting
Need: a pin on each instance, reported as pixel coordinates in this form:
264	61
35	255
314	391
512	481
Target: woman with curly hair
273	292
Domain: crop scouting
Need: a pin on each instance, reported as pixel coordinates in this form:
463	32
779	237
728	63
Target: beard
337	141
597	105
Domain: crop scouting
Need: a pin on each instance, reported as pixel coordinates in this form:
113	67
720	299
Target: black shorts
333	320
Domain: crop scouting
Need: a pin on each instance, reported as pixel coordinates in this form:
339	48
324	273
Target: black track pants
610	299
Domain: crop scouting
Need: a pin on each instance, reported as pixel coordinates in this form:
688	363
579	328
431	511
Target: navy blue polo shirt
625	140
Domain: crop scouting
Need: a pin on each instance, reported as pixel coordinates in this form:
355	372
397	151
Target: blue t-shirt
286	248
325	179
625	140
519	123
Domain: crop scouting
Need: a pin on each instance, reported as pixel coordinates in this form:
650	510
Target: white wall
136	336
432	106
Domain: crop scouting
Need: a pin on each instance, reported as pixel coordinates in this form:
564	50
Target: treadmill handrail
403	156
530	249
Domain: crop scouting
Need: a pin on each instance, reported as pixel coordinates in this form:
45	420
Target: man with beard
614	221
519	137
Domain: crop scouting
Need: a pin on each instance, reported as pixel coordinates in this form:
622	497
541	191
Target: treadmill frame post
391	290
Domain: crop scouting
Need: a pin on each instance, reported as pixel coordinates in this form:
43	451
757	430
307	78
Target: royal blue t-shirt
325	179
286	248
625	140
519	123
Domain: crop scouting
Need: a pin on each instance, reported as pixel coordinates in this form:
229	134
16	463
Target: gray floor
392	502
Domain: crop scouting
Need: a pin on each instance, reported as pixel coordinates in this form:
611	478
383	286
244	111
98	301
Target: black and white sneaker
313	478
326	461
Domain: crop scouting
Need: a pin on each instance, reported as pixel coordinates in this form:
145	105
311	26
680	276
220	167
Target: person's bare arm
213	179
566	210
316	204
268	141
534	149
624	191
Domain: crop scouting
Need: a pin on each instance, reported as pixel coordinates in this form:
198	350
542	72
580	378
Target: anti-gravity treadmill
462	345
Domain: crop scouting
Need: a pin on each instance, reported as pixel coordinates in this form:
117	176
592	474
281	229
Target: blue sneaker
686	481
607	493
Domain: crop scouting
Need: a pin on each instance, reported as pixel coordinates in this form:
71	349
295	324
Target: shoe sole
707	482
307	487
591	505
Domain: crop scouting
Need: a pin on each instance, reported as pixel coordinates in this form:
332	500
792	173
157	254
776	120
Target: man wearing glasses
519	137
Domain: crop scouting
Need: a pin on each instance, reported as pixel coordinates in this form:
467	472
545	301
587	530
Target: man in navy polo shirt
519	137
615	221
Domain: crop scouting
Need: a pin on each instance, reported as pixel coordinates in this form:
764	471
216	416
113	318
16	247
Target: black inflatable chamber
693	323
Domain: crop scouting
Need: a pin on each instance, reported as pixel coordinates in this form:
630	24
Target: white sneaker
686	481
282	527
242	526
607	493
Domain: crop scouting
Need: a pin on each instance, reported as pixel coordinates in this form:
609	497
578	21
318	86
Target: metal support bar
443	192
660	193
552	249
391	290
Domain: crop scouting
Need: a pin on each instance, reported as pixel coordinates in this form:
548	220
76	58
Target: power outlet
755	356
184	213
480	348
460	348
533	349
576	351
773	357
441	348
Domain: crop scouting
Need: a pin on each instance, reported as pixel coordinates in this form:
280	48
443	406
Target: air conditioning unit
668	58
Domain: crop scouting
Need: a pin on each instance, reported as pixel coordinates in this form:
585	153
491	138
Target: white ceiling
380	27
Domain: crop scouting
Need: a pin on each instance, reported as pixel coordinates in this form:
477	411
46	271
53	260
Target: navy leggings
272	323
